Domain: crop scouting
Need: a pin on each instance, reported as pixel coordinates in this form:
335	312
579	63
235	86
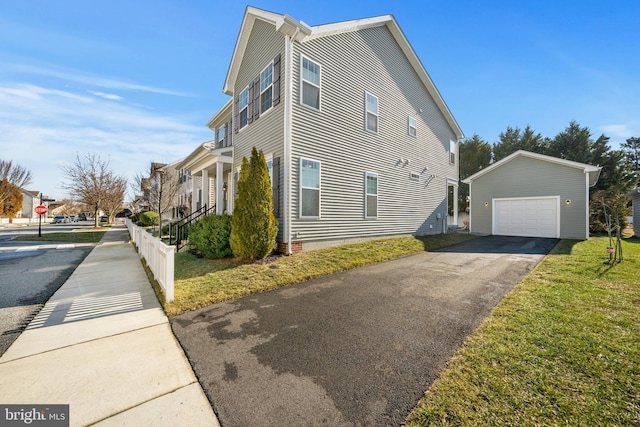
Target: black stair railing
179	230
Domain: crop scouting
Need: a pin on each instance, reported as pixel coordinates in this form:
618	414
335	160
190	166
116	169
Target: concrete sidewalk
103	345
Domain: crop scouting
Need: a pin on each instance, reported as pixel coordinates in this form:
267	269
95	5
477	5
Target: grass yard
200	282
71	237
563	348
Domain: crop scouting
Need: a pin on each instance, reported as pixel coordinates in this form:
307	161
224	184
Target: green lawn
201	282
563	348
71	237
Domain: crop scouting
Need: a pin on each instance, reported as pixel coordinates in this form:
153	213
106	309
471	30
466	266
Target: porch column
219	187
205	188
455	204
193	194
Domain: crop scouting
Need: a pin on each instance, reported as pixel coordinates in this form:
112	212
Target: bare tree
14	174
92	182
114	198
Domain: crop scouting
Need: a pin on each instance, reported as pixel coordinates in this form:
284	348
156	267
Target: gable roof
593	171
633	193
301	32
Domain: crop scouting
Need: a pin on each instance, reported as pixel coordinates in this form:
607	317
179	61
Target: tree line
620	168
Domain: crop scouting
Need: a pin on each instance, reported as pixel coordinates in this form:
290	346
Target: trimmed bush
209	236
254	230
146	219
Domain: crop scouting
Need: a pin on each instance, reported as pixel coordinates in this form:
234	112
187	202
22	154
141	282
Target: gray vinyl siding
526	177
353	63
267	132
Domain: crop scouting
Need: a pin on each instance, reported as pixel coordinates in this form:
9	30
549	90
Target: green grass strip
563	348
201	282
70	237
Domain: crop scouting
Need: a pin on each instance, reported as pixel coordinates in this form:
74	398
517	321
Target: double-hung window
452	152
309	188
243	104
221	130
310	83
371	195
371	113
266	88
413	126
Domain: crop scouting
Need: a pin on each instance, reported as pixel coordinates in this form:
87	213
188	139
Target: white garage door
531	217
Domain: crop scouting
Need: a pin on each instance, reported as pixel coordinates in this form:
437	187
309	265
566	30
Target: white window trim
302	81
221	128
452	150
240	127
415	128
366	112
269	158
267	88
366	194
300	216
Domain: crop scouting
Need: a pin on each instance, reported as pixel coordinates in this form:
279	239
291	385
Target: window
452	152
270	169
371	195
309	188
413	125
310	83
243	103
220	134
266	88
371	116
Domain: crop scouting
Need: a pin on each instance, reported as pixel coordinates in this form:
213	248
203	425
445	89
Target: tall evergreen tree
574	143
514	139
631	150
253	227
475	155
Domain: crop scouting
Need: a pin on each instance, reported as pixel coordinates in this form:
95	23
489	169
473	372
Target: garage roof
592	171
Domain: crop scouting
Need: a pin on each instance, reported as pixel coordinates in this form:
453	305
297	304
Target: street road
30	272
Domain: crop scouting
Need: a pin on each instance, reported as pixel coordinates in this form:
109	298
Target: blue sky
136	81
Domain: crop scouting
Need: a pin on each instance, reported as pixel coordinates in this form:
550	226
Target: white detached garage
532	195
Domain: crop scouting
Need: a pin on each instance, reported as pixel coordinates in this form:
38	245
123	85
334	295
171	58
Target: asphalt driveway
358	348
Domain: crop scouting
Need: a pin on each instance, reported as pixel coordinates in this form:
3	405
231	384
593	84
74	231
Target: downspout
287	138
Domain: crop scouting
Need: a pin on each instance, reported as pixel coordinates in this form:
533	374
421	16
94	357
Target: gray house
635	200
357	138
529	194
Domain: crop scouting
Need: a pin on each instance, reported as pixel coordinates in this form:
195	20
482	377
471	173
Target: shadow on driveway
357	348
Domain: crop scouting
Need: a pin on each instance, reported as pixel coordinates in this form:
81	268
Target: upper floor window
310	83
220	134
243	103
413	126
371	114
266	88
452	152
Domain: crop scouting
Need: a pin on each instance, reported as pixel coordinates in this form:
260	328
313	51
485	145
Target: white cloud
41	128
88	79
619	130
107	96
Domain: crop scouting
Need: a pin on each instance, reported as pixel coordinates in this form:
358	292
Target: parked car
73	218
82	217
103	218
124	213
59	219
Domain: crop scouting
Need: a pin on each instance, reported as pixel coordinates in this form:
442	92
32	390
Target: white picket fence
159	257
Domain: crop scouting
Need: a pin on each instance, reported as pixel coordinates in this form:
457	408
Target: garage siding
527	177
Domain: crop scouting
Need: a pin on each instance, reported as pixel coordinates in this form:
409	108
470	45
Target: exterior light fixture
486	204
567	202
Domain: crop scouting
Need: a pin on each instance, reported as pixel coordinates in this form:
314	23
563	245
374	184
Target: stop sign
41	209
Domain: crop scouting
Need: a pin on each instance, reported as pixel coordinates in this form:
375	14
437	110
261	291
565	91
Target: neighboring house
529	194
358	141
30	199
162	190
635	200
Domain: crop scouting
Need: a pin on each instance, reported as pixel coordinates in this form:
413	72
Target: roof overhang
222	116
196	156
301	32
592	171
